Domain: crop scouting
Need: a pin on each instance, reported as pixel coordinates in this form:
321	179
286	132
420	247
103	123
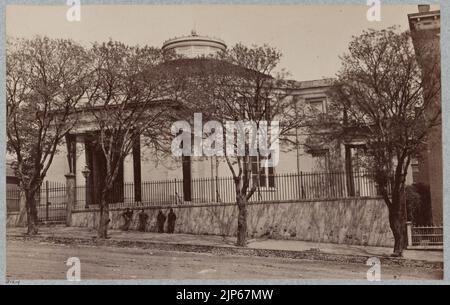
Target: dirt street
37	260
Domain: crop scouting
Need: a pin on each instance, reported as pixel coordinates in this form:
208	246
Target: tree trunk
397	222
104	217
22	219
32	214
242	222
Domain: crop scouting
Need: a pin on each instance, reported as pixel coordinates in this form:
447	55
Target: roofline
314	83
425	14
173	41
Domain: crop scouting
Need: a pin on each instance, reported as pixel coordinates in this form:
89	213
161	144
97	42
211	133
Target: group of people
161	220
143	219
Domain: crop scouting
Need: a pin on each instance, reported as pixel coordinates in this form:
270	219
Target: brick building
425	30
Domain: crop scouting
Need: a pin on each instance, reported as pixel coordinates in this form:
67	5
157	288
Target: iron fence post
47	203
176	192
409	232
70	197
302	193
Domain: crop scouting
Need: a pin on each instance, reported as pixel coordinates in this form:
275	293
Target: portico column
137	169
70	197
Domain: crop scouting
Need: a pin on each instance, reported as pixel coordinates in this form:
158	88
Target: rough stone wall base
350	221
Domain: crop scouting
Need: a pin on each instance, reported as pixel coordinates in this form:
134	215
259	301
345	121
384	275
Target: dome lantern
194	45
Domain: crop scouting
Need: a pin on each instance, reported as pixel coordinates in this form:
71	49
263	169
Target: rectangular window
317	105
359	158
320	160
266	176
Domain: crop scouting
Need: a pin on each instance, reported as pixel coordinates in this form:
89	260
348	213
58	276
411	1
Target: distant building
425	31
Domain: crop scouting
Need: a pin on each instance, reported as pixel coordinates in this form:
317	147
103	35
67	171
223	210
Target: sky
310	37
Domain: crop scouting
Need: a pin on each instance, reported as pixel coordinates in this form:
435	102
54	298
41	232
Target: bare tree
125	100
389	100
241	85
45	80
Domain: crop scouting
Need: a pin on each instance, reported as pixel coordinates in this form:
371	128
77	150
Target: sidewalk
218	244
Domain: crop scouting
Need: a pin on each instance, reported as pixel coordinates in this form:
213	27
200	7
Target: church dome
194	45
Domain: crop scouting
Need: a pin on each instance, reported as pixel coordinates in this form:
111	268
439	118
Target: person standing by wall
161	219
143	217
128	217
171	221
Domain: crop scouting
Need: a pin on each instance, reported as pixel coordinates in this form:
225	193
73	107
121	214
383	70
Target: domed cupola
194	45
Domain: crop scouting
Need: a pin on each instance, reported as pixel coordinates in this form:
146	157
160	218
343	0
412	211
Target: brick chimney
424	8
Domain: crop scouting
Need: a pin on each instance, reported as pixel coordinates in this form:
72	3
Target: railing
281	187
12	200
51	202
425	237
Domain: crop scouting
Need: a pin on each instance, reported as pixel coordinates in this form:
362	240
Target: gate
51	205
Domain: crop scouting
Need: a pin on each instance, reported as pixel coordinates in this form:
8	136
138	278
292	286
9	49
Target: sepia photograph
223	142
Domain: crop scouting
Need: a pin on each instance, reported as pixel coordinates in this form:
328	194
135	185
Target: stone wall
349	221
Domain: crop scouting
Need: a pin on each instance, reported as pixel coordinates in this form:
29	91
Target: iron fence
280	187
12	200
425	236
50	201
